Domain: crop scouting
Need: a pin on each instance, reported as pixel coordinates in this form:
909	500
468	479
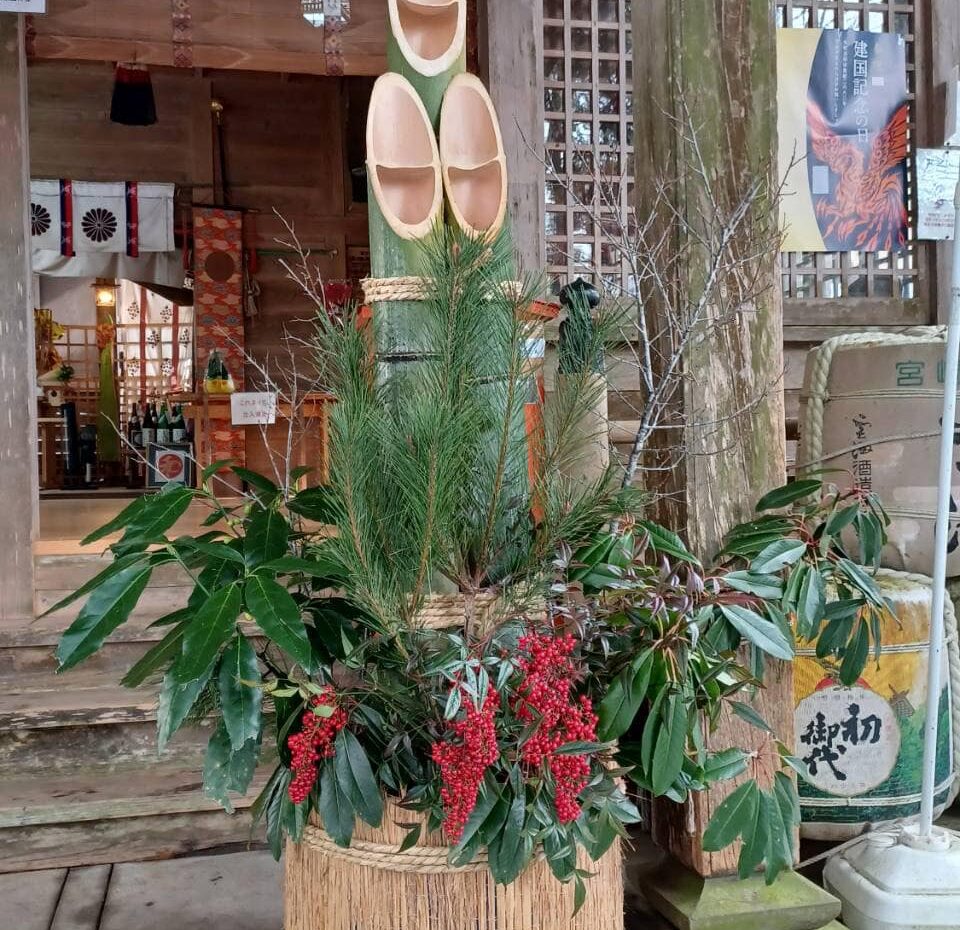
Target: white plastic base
896	881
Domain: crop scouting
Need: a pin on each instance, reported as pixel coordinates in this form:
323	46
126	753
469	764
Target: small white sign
252	409
23	6
938	171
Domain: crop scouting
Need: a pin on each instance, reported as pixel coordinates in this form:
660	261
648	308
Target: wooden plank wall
284	152
261	35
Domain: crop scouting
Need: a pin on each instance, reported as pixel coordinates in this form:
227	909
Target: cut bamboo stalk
473	159
427	44
405	205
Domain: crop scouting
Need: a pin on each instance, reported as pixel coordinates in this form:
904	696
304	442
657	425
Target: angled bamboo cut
473	159
427	44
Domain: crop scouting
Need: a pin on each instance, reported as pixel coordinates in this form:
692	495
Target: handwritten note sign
23	6
252	409
938	171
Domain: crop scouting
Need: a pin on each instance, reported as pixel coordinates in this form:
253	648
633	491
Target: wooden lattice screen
588	131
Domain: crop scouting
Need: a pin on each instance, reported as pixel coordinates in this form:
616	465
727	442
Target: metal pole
947	426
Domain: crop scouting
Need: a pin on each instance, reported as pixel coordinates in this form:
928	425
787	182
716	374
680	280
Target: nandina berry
544	696
468	749
313	743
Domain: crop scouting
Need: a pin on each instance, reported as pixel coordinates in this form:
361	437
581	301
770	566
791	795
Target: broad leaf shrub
510	739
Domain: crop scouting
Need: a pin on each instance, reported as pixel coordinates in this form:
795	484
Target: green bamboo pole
405	205
427	44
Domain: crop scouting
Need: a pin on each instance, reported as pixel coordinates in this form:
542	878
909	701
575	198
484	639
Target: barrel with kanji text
861	747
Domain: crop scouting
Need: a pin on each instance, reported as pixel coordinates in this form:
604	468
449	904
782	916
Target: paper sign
23	6
251	409
938	171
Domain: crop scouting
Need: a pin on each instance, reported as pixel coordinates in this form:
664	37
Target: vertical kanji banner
218	305
843	120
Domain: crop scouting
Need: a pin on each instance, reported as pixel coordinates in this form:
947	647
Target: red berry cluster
313	743
544	696
469	747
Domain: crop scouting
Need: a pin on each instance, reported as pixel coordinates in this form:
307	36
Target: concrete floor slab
82	898
28	899
242	891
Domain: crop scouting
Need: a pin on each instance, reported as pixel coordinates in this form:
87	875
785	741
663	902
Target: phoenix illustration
868	208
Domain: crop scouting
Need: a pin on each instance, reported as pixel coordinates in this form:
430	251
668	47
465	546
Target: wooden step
153	813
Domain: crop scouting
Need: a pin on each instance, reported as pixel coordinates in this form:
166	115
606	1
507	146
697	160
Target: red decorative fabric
218	304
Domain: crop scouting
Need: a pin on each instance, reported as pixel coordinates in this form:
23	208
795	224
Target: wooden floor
240	891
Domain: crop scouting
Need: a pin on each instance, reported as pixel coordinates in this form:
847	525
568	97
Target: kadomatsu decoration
573	657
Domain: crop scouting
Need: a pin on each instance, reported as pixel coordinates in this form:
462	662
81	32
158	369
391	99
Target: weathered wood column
707	68
511	64
18	429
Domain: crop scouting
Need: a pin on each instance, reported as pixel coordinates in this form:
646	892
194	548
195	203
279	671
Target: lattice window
588	133
837	275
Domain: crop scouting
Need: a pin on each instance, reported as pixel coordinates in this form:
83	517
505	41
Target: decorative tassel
133	103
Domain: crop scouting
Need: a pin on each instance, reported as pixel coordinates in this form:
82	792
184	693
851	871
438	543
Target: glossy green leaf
855	655
839	520
213	550
278	615
267	807
721	766
211	627
759	631
779	854
226	770
266	538
109	606
746	712
355	777
579	895
159	655
176	702
487	801
666	542
291	565
778	555
561	855
159	513
114	568
765	586
671	745
736	813
755	841
623	700
213	468
335	808
240	698
121	520
316	504
789	494
215	576
811	604
512	850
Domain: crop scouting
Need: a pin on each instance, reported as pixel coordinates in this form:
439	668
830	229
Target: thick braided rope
952	645
411	287
426	860
811	433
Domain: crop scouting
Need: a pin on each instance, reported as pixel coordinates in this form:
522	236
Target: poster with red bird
843	126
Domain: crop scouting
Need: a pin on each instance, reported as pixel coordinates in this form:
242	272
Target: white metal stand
909	878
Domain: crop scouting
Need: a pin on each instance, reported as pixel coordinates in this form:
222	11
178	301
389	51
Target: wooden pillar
712	66
510	36
939	29
18	415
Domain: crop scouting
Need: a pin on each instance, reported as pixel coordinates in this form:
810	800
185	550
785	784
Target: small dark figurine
578	348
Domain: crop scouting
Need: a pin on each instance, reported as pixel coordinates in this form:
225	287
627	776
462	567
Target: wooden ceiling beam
263	37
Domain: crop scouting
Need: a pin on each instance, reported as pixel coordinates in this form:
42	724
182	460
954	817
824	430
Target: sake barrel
870	413
861	747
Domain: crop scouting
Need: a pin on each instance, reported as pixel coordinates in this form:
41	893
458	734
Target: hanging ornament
133	103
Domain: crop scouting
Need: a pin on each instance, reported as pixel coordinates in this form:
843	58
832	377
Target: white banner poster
23	6
938	171
45	218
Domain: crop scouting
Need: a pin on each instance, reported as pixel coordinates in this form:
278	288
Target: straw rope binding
443	611
412	287
430	860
